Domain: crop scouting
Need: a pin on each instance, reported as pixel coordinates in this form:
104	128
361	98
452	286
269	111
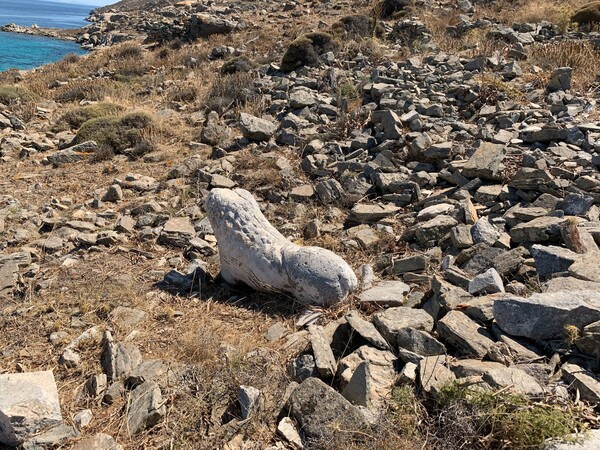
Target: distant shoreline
64	34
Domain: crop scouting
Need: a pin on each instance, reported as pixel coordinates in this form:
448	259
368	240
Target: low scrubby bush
387	9
229	91
76	117
306	50
82	90
354	26
115	132
131	51
185	94
588	14
16	94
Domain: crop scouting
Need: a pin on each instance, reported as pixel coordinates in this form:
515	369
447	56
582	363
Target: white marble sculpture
253	252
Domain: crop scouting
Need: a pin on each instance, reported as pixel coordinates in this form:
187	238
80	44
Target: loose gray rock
434	375
177	232
513	379
387	293
289	432
320	411
552	259
488	282
118	359
249	398
84	418
255	128
419	342
544	316
486	163
560	80
463	334
324	358
29	405
114	194
581	380
303	367
146	407
366	329
391	320
99	441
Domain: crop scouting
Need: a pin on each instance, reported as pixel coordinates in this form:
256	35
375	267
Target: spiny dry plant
579	55
230	91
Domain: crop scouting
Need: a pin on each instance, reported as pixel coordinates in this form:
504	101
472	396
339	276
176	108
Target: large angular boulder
544	316
204	25
255	128
321	411
29	405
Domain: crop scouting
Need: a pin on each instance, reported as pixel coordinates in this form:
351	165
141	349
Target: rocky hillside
305	225
137	6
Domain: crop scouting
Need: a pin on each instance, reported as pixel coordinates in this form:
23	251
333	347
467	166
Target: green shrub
305	50
15	94
115	132
507	420
74	118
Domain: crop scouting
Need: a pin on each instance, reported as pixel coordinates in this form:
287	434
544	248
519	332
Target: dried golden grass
579	55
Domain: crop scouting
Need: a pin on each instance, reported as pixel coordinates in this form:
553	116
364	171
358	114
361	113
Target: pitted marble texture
253	252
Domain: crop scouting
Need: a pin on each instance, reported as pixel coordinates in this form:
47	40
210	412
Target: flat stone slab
433	374
99	441
544	316
582	381
366	329
587	268
390	321
29	404
362	213
387	293
486	162
457	330
552	259
324	358
146	407
513	379
541	229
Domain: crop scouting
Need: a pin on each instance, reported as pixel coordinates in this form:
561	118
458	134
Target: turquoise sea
25	52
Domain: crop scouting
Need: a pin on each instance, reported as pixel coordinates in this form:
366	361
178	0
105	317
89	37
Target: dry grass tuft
579	55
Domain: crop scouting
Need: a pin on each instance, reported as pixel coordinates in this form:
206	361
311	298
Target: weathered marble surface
253	252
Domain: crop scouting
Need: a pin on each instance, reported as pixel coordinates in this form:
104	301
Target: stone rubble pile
477	200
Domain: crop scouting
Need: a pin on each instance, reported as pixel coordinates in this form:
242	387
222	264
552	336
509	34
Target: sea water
24	51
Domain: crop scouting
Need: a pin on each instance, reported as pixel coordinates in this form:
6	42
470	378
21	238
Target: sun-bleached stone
253	252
